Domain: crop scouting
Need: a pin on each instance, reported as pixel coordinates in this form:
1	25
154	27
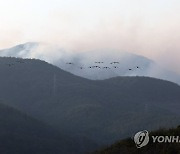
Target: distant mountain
100	111
127	146
21	134
129	64
22	50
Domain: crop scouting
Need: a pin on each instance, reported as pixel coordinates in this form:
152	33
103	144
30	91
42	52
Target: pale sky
147	27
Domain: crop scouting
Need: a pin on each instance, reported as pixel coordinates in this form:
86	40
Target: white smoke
129	64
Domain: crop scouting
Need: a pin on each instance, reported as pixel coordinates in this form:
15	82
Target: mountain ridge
83	60
102	111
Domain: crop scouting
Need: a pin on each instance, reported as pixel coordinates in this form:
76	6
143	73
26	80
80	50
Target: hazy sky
148	27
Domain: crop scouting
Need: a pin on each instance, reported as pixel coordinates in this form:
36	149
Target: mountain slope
127	146
21	134
101	111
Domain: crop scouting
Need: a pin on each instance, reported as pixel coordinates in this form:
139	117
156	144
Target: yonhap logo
141	138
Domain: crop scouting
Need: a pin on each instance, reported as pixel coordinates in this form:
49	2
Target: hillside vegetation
21	134
127	146
99	112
